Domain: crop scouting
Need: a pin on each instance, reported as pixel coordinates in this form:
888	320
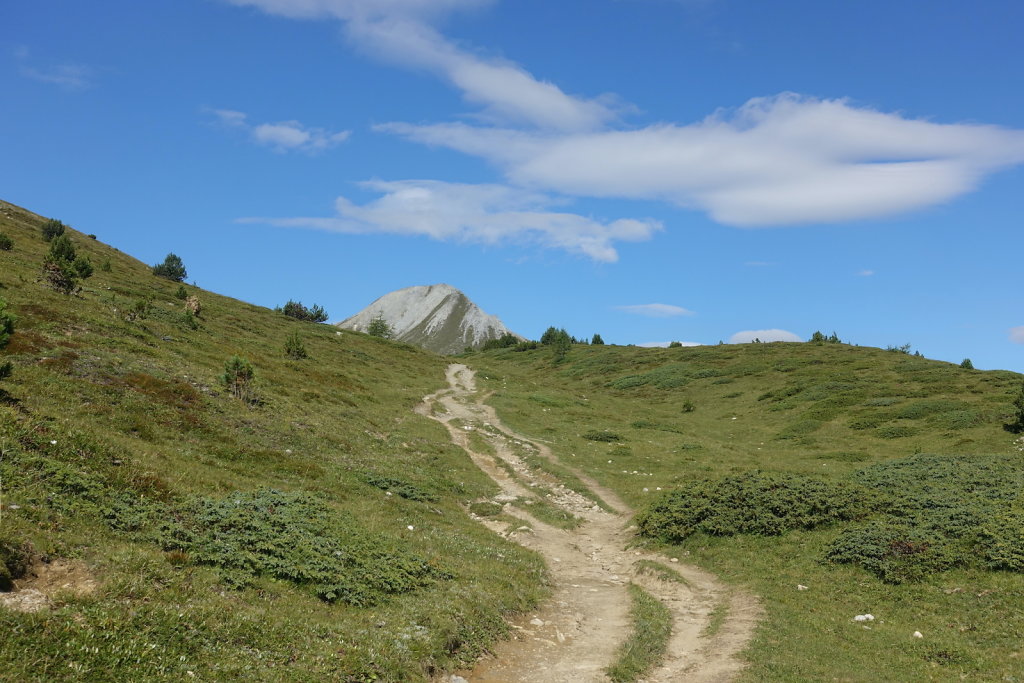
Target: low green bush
400	488
938	512
895	553
298	538
752	503
604	436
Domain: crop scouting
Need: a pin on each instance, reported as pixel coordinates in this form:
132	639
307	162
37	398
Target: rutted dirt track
576	635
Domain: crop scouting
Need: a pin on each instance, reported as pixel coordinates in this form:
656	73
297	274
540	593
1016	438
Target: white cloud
655	310
285	136
400	31
747	336
664	345
1017	335
866	273
68	76
481	214
774	161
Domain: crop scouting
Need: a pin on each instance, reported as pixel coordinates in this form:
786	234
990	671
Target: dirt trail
575	636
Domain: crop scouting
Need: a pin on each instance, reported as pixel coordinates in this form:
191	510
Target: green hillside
316	532
885	483
311	526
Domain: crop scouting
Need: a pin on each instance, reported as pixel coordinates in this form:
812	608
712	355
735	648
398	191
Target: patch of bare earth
574	637
45	582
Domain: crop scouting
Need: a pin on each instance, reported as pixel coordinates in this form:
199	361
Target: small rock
410	527
864	617
801	587
918	634
536	622
674	559
456	679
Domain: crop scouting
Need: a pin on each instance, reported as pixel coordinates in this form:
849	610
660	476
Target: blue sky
651	170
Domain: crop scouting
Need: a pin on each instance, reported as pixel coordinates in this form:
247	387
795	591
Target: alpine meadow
196	487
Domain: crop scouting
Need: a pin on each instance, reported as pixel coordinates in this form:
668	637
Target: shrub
139	310
966	364
180	293
895	553
189	320
505	341
605	436
560	347
83	267
379	328
7	321
172	268
400	487
15	559
1017	426
295	309
105	265
553	336
62	267
752	503
6	243
294	348
62	248
938	512
238	378
596	340
298	538
1002	542
675	345
52	228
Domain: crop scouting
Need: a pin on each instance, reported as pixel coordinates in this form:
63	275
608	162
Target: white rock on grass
801	587
918	634
864	617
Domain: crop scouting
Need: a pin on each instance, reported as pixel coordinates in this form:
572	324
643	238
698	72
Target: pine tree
597	341
172	268
379	328
294	348
51	229
238	378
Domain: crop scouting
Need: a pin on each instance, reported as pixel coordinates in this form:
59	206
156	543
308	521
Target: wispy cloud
773	335
69	75
285	136
1017	335
774	161
401	31
481	214
655	310
866	273
781	160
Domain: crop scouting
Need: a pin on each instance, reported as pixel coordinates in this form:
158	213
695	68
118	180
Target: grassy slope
825	410
136	408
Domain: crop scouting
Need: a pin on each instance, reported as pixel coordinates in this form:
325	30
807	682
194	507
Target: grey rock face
436	317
